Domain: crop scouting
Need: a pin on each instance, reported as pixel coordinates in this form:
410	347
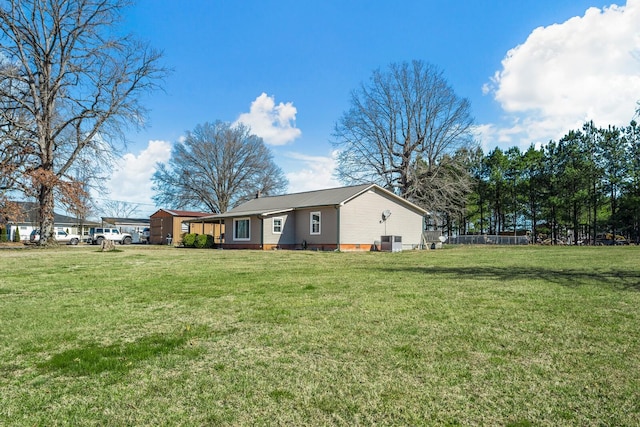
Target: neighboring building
165	222
133	226
345	218
28	222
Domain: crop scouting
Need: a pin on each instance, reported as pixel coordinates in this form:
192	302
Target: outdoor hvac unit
391	243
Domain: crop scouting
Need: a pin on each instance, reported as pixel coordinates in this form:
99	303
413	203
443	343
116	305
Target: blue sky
531	69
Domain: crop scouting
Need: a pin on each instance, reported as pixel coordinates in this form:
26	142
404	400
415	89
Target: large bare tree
70	83
218	166
403	131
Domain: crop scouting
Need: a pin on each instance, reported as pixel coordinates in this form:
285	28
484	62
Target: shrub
204	241
3	235
189	240
16	235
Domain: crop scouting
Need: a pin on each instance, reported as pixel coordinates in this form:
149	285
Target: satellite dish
386	214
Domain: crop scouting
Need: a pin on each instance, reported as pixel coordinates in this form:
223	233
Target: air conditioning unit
391	243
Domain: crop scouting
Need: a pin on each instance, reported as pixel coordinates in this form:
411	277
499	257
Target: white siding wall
361	220
25	232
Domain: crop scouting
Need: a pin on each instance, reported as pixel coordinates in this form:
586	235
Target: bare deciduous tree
444	189
402	132
69	86
217	167
119	209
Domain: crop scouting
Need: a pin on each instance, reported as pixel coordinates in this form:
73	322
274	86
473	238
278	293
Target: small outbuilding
350	218
168	224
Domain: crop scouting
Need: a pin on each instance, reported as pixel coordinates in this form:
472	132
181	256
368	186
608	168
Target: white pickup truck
61	236
98	235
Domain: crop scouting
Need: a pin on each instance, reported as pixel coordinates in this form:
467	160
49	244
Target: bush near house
3	235
189	240
204	241
16	236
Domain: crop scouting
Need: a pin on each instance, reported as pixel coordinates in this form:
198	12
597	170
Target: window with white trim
277	225
241	229
314	223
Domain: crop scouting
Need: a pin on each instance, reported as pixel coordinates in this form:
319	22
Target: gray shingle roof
175	212
30	216
309	199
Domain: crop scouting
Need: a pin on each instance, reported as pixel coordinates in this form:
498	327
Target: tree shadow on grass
622	279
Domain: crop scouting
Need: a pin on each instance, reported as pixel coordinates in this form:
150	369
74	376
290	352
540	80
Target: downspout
338	227
261	233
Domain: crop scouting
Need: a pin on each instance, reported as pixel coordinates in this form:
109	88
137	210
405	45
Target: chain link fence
486	239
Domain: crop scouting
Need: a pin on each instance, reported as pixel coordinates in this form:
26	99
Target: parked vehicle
98	235
144	238
61	236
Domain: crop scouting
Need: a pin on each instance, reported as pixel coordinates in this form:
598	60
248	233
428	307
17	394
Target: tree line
567	191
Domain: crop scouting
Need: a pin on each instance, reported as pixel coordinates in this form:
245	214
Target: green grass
512	336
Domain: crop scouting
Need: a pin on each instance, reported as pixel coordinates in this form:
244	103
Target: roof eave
276	212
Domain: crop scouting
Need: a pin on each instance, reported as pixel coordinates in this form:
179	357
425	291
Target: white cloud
587	68
131	179
275	124
315	173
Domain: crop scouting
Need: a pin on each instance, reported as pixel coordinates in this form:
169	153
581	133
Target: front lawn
462	336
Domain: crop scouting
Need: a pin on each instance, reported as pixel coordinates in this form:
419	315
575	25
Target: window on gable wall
277	225
315	223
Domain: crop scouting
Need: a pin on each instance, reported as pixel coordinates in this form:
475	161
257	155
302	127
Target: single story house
28	221
165	222
345	218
